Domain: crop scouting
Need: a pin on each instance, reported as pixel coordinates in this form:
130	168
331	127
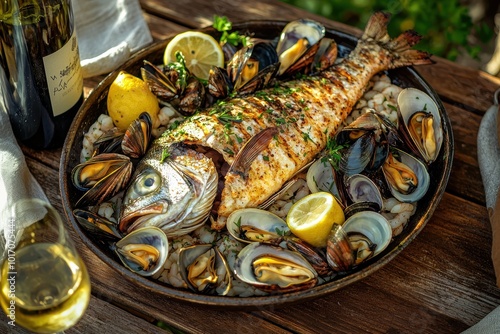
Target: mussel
133	143
274	269
204	269
143	251
406	176
420	122
136	139
366	143
99	226
298	44
102	176
174	84
250	69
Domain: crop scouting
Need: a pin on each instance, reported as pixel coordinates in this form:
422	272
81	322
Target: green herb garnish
222	24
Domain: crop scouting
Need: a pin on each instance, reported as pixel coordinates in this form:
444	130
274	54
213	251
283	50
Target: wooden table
443	282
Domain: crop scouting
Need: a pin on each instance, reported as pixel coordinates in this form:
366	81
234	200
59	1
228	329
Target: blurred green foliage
444	24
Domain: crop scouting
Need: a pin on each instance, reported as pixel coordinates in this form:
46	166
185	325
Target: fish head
173	188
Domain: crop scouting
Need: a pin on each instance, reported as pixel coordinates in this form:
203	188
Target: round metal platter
96	105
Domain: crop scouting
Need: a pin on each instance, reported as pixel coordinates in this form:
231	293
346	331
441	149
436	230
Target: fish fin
399	47
251	150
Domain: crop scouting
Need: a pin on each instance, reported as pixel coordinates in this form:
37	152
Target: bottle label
64	76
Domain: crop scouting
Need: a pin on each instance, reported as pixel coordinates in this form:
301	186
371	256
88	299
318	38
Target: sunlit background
462	31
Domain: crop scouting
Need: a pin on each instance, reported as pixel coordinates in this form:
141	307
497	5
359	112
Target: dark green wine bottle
41	83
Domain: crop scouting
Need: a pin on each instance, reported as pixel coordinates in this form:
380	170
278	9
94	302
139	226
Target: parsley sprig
180	67
222	24
333	152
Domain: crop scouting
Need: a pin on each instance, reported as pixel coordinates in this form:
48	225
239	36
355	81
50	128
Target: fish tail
399	48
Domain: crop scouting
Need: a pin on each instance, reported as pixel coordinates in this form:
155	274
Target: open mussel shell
103	176
421	124
366	144
143	251
138	136
204	269
406	176
274	269
99	226
250	69
159	83
109	142
298	45
373	226
256	225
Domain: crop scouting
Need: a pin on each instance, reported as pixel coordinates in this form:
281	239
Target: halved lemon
200	50
312	217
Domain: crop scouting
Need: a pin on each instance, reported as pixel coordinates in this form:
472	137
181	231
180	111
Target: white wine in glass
44	277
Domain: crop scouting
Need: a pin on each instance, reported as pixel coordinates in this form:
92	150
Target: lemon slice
200	50
313	216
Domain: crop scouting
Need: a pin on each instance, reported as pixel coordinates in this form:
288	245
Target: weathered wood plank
424	268
236	10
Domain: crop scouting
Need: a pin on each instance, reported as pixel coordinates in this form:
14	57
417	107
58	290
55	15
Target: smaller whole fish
266	138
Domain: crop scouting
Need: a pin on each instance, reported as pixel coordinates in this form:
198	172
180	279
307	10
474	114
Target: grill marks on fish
304	111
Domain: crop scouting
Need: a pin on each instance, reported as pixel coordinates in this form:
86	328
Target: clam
256	225
406	176
298	44
102	176
274	269
370	228
420	120
321	177
143	251
136	140
361	189
204	269
97	225
313	255
339	254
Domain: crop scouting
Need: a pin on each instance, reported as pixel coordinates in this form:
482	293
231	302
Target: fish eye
145	183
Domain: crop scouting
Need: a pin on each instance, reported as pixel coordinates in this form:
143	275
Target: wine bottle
41	82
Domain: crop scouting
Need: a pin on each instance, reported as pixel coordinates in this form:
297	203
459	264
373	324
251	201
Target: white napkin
488	325
16	181
108	32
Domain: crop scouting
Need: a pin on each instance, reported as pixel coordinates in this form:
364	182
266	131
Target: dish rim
345	40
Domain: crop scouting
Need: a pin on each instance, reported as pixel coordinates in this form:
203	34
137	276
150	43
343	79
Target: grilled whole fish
268	136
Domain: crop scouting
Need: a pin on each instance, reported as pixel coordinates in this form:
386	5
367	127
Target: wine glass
44	284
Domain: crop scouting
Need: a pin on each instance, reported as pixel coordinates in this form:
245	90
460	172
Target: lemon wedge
201	51
128	97
312	217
